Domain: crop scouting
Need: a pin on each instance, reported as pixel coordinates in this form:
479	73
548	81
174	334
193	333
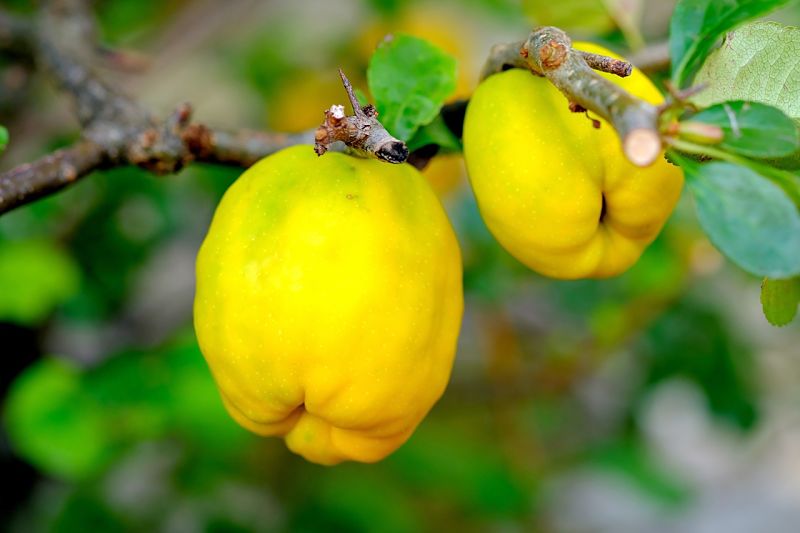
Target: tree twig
117	130
548	52
49	174
361	131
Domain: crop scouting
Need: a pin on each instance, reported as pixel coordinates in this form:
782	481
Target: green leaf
691	341
3	138
749	218
35	277
53	423
410	80
752	129
72	424
436	133
697	24
758	62
779	299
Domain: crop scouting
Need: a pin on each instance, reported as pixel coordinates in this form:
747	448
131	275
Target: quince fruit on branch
329	302
557	193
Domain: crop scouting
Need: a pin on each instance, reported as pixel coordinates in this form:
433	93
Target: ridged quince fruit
329	302
558	194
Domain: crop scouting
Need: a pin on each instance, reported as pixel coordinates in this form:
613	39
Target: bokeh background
658	401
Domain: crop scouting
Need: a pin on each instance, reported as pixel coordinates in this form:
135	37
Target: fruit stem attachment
361	132
548	53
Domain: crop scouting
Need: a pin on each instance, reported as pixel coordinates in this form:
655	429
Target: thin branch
548	52
623	69
118	131
49	174
510	55
238	148
361	131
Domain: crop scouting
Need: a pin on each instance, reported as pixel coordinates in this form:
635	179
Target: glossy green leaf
749	218
779	299
410	80
697	24
752	129
35	277
759	62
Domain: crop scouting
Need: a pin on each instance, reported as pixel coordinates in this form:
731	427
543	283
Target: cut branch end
362	132
642	147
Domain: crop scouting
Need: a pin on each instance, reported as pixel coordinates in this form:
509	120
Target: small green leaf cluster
738	141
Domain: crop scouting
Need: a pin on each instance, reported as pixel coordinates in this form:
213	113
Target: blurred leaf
95	415
692	342
85	509
54	423
489	270
503	10
193	403
35	277
632	461
265	61
168	391
410	80
354	498
132	214
779	300
386	8
3	138
628	16
471	472
22	6
579	16
758	62
749	218
436	132
752	129
697	24
361	96
121	19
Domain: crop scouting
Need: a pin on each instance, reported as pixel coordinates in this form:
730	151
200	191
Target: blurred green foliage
36	277
135	438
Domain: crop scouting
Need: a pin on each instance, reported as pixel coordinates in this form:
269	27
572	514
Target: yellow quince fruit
329	301
558	194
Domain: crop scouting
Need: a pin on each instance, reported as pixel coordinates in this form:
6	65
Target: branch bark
362	131
548	52
115	129
49	174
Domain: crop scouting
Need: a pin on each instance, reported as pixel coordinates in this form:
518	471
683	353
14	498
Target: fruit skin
543	176
329	301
